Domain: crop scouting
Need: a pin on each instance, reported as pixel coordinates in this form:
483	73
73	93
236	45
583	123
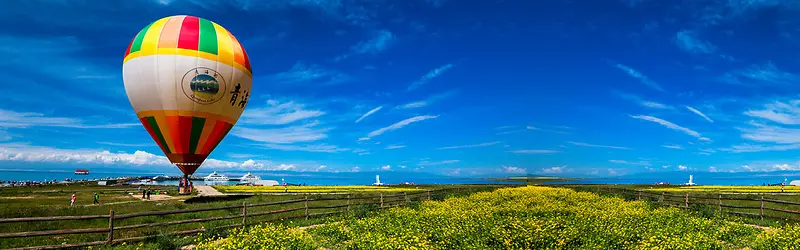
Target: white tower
691	181
377	180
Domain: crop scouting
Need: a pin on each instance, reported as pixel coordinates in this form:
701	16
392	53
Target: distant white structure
377	180
215	177
249	178
691	181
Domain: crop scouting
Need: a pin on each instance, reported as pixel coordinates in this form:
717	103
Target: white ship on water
215	177
249	178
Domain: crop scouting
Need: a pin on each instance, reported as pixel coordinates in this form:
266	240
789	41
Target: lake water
318	178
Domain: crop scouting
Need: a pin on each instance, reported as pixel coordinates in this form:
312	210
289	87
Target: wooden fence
760	207
242	219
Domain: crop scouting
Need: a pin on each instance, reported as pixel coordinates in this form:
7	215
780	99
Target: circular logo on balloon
203	85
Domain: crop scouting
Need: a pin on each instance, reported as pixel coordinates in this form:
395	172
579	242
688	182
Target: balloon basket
184	191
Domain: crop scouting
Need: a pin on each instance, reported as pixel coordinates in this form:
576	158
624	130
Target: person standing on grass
148	193
72	201
96	198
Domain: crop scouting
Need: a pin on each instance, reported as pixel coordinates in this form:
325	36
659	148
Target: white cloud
642	102
637	163
760	75
553	170
712	169
771	134
583	144
12	119
413	105
682	167
29	153
427	102
514	170
395	146
361	151
535	151
546	130
355	169
747	148
673	146
122	144
369	113
319	148
638	75
688	41
670	125
277	113
400	124
299	133
787	113
302	73
485	144
381	41
429	76
699	113
386	167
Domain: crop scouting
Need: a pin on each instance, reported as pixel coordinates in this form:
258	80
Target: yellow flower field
519	218
728	189
312	189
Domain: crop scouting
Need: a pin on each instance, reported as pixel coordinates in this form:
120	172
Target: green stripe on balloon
197	130
208	37
154	125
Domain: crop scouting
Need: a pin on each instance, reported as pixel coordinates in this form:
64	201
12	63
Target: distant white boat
249	178
377	181
215	177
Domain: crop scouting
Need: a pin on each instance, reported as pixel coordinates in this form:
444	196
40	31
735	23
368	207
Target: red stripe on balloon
189	37
152	133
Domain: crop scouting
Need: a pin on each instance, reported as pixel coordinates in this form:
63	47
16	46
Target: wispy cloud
787	113
583	144
689	42
365	115
401	124
380	41
302	73
432	99
637	163
638	75
546	130
748	148
535	151
485	144
673	146
514	170
395	146
298	133
670	125
133	145
699	113
12	119
319	148
642	102
772	134
435	163
553	170
279	113
429	76
760	75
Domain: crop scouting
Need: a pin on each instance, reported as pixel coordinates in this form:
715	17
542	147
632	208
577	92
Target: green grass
54	201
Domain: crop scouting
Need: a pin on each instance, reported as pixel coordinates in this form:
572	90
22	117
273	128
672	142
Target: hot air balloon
188	80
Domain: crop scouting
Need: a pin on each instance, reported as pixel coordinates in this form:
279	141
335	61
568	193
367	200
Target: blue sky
454	87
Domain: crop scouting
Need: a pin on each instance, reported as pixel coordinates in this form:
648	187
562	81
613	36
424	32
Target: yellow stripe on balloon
150	42
224	45
161	119
207	128
187	52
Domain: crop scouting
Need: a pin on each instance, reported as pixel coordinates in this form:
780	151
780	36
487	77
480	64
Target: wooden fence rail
703	200
384	202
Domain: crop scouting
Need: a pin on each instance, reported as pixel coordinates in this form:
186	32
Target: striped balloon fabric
188	80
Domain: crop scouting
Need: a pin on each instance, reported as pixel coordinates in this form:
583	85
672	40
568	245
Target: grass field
315	189
521	218
727	189
54	201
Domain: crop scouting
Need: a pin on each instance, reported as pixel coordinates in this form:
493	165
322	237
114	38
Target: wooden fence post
429	195
762	207
720	203
405	197
638	195
686	202
244	214
306	202
348	203
662	197
110	227
381	200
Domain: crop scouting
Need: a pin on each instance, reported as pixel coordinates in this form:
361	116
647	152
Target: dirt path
207	191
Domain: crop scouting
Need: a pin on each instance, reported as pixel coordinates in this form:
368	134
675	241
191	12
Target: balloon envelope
188	80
